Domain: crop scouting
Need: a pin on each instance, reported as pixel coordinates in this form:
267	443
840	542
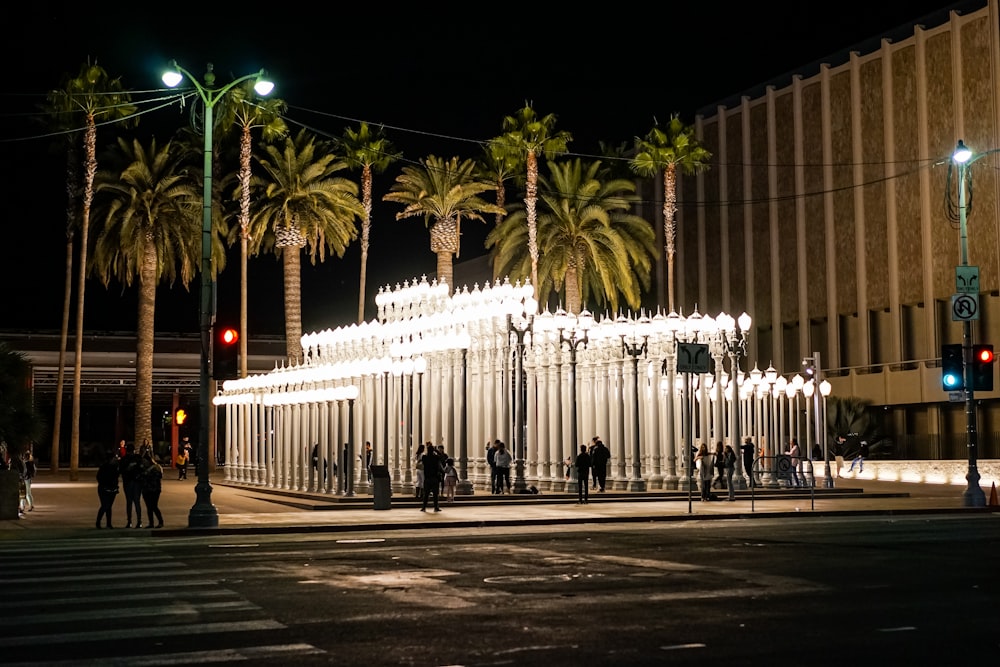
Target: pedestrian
730	463
817	453
860	458
182	464
432	478
18	466
131	471
367	460
152	477
491	453
450	480
315	463
30	469
583	463
418	465
503	461
720	467
599	459
838	452
704	462
793	454
747	450
121	449
107	487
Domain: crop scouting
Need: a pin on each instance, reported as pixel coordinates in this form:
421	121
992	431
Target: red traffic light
984	354
229	336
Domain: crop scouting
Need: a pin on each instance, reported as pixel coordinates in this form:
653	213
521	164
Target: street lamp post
735	333
973	496
203	513
824	389
631	346
573	333
520	329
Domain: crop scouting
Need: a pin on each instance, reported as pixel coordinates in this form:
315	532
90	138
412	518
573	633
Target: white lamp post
635	338
824	389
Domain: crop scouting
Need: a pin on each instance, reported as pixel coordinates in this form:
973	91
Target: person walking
418	465
793	454
720	467
131	472
747	450
182	464
152	478
583	463
17	465
705	464
599	458
730	463
30	469
491	455
503	460
860	458
432	478
367	460
450	480
107	487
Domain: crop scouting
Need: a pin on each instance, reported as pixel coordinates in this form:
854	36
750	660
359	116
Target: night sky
439	81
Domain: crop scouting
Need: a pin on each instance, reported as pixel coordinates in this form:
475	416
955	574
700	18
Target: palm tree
91	96
20	424
300	202
150	204
500	163
593	247
534	136
372	153
442	192
666	149
242	109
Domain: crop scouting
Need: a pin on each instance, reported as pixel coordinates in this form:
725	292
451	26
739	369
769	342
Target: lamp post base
637	485
973	496
465	488
203	513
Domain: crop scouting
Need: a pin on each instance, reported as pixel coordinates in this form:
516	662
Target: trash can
381	487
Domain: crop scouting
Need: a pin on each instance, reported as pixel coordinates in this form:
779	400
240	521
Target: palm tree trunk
573	297
144	345
245	153
63	340
366	225
670	226
445	269
90	170
530	201
291	262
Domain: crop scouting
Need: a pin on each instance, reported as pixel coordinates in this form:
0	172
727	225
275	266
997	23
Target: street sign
967	279
964	307
692	358
956	396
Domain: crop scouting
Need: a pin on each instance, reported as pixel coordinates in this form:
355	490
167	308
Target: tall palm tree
93	97
666	149
300	202
61	120
150	205
501	162
20	423
442	192
372	153
593	247
534	136
244	110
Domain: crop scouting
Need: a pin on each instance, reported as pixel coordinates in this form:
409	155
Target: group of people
141	479
591	466
715	470
436	475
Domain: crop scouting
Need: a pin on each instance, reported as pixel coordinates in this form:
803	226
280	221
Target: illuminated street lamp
573	333
824	389
734	336
520	324
203	513
963	158
635	338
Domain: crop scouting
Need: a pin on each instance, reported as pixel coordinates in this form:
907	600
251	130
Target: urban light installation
734	336
808	390
520	328
635	338
967	284
824	389
573	333
203	513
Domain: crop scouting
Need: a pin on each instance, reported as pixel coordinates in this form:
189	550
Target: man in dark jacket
107	487
432	477
583	463
131	471
599	457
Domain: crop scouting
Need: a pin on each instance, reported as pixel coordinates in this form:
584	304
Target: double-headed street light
572	331
521	325
635	339
735	332
203	513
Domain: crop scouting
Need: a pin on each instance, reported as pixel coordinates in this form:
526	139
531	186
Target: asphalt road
818	590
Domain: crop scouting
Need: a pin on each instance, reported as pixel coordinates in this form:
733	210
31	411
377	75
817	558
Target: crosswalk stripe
190	658
23	604
140	633
84	587
159	611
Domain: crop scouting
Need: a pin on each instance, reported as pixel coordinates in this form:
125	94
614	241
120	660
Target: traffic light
952	368
226	353
982	367
180	416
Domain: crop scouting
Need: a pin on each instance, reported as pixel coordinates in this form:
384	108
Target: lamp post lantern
973	496
203	513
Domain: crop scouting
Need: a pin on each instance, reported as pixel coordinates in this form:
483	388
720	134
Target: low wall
927	472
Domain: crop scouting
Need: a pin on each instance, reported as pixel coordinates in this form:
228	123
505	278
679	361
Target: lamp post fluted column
735	332
520	330
632	347
573	333
203	513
